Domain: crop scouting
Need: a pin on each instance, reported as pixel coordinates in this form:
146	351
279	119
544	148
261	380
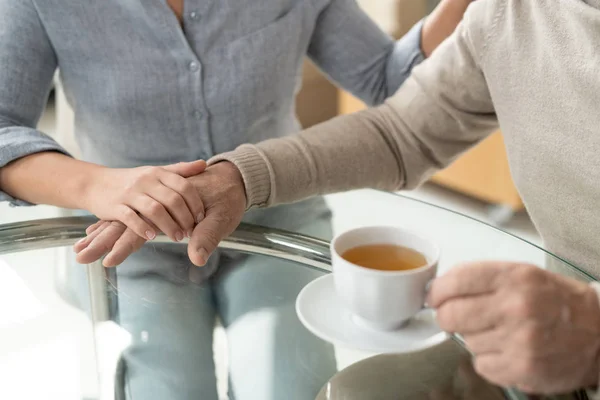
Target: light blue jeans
171	316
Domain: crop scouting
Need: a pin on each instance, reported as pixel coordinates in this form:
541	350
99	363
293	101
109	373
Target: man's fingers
465	280
101	244
126	245
90	229
496	368
206	237
487	342
84	243
187	169
469	314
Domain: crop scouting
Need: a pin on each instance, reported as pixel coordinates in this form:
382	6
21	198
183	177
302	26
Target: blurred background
44	336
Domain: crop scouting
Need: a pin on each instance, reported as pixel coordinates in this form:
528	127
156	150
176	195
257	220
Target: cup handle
427	288
453	336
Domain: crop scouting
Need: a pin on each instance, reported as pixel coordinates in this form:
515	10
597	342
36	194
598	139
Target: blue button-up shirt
147	90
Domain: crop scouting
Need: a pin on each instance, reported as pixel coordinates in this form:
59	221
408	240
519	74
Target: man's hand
221	189
527	328
224	205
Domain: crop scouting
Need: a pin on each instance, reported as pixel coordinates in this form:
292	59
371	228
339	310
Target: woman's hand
222	191
148	198
527	328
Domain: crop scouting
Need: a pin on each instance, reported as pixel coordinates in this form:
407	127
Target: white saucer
322	313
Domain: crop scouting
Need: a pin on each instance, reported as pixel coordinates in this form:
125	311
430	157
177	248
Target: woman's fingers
163	196
190	195
177	208
187	169
135	222
158	215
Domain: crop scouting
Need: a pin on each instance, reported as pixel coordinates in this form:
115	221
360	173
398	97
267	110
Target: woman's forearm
49	178
441	23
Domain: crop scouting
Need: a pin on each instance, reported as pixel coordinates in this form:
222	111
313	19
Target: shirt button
198	114
194	15
194	66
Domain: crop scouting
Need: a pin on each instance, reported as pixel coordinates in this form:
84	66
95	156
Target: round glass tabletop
157	327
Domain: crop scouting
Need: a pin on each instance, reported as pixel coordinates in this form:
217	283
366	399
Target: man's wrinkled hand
222	190
526	327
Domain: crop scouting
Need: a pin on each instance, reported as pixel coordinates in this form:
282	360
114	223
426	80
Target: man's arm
351	49
441	110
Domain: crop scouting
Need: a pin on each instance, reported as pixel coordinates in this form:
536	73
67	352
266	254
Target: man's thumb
206	237
187	169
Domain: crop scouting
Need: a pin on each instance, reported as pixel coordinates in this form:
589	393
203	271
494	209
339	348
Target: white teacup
382	300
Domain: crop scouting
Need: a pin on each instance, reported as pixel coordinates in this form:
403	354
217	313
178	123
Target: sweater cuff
255	172
595	394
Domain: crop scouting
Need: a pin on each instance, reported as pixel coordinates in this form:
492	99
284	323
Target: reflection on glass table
164	329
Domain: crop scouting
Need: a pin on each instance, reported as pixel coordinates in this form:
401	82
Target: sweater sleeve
443	109
27	66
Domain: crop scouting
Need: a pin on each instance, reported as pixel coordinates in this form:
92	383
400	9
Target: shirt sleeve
351	49
442	109
27	66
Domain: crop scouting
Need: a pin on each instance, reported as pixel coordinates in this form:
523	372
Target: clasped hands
222	201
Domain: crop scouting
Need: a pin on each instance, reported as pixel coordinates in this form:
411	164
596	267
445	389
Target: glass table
158	328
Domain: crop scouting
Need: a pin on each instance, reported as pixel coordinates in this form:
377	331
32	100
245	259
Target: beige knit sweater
533	66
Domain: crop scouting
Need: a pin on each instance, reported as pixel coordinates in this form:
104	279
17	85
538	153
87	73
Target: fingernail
179	236
150	235
81	240
199	218
189	233
203	255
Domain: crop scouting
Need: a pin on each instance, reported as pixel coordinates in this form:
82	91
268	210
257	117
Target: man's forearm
441	110
48	178
345	153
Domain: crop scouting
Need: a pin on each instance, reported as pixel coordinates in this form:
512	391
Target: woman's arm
441	23
351	49
440	111
35	169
